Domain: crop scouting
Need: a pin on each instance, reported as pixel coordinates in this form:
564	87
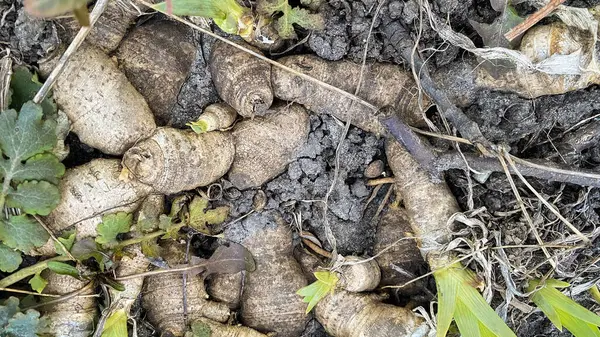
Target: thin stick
533	19
43	224
316	248
63	298
29	271
64	59
381	181
19	291
161	271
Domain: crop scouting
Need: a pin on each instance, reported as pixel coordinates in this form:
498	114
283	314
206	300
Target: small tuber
205	327
106	111
173	160
264	146
358	274
242	80
216	116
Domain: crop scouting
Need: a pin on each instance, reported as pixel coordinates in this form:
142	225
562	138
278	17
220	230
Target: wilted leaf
62	268
289	16
22	233
112	225
24	86
150	248
52	8
10	259
38	283
34	197
67	239
230	258
200	217
116	325
316	291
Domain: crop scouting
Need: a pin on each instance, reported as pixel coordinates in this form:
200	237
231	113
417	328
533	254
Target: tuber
173	160
205	327
264	146
74	317
382	85
226	288
164	300
106	111
242	80
216	116
358	274
156	58
269	301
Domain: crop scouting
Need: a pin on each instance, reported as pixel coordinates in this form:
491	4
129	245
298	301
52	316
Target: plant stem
29	271
148	236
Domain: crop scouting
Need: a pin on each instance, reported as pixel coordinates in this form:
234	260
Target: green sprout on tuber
316	291
563	311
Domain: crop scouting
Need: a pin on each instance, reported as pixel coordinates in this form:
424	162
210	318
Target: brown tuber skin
359	275
264	146
269	301
106	111
242	80
221	330
226	288
71	318
156	58
173	160
163	296
382	85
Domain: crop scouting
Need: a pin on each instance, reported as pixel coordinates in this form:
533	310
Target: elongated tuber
156	58
242	80
382	85
205	327
359	275
269	301
106	111
173	160
73	317
216	116
264	146
163	297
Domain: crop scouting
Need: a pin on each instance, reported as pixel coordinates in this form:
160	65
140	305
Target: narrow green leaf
563	303
467	322
542	303
38	283
316	291
470	297
206	9
576	326
22	233
447	287
10	259
34	197
62	268
116	325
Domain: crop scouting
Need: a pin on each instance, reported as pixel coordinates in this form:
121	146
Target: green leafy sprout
459	298
316	291
14	322
289	16
563	311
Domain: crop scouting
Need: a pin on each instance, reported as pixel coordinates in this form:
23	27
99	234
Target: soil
531	128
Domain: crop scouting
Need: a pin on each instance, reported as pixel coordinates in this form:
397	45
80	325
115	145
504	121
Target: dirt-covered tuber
156	58
382	85
206	327
358	274
226	288
106	111
163	296
264	146
242	80
173	160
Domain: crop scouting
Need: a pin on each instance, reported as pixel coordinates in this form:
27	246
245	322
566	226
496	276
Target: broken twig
533	19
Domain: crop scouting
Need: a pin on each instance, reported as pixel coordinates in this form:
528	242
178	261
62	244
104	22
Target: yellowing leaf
116	325
38	283
200	218
112	225
316	291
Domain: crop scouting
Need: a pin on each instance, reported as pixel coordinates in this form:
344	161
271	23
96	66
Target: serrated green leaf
62	268
200	217
290	16
112	225
116	325
316	291
23	324
8	309
164	221
34	197
10	259
24	86
150	248
22	233
39	167
38	283
67	239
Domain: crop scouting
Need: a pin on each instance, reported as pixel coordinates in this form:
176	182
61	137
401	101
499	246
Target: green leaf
467	322
116	325
67	239
316	291
290	16
8	309
22	233
10	259
150	248
39	167
206	9
24	86
200	218
112	225
200	329
23	324
52	8
86	249
62	268
447	287
34	197
576	326
493	34
38	283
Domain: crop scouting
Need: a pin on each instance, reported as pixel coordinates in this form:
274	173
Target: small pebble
375	169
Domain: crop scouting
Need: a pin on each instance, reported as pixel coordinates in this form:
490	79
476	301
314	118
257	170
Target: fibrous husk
226	288
211	328
106	111
156	58
74	317
173	160
264	146
382	85
359	275
242	80
163	296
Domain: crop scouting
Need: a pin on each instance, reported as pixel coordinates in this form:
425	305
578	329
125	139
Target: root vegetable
156	58
269	301
163	297
106	110
404	255
216	116
226	288
264	146
359	275
383	85
242	80
173	160
73	317
210	328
